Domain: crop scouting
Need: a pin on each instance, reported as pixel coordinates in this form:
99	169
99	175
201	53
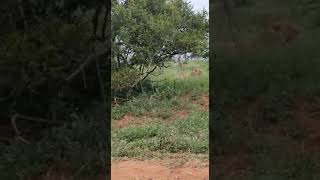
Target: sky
198	5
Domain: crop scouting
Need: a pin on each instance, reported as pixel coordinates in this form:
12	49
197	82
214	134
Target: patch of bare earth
248	113
305	111
157	170
180	113
205	102
130	119
307	114
232	164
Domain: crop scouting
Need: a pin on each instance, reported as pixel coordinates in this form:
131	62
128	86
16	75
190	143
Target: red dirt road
142	170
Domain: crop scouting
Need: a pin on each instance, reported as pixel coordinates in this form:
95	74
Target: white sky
199	5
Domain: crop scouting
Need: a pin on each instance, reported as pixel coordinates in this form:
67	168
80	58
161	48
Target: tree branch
95	20
84	65
22	13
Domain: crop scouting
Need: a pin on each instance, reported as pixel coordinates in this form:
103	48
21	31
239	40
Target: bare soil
205	102
233	164
147	170
307	114
181	113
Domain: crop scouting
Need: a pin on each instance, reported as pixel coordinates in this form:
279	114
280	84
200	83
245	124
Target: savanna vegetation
53	74
146	34
172	117
265	90
157	107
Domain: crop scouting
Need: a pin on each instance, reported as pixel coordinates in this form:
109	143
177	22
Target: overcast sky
198	5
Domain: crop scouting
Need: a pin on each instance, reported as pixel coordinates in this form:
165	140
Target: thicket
53	73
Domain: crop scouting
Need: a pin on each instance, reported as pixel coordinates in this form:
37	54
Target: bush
123	80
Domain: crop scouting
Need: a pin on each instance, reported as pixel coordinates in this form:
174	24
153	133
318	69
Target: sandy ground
143	170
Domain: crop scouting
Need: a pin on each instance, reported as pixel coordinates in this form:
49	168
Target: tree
146	33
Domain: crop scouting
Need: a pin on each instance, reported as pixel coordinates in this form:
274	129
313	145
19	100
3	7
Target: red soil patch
205	102
284	31
306	112
125	120
143	170
180	113
130	119
232	164
248	113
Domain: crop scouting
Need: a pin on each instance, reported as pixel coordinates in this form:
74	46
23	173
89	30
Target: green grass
187	134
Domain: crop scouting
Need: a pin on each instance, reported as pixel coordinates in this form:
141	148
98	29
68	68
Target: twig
10	95
145	76
14	125
83	65
16	130
22	13
40	120
84	79
22	139
76	174
105	19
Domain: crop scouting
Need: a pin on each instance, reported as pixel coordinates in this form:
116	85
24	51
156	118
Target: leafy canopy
145	33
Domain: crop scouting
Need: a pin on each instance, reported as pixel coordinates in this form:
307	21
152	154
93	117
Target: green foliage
146	33
165	132
42	45
71	147
123	78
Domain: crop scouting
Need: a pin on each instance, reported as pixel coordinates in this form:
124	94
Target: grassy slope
258	133
167	120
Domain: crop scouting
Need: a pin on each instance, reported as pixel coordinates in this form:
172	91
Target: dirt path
143	170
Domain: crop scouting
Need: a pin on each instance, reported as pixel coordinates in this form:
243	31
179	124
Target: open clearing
163	133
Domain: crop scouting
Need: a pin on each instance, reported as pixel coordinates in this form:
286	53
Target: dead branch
16	130
84	79
22	13
84	65
95	20
35	119
28	118
144	77
9	96
105	20
22	139
14	125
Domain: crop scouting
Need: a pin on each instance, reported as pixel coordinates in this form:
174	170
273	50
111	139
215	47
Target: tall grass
171	93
